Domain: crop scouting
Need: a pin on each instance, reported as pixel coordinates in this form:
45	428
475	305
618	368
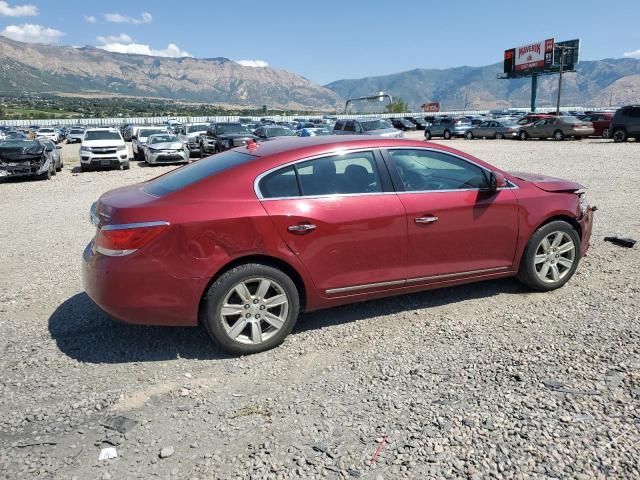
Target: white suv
103	147
48	133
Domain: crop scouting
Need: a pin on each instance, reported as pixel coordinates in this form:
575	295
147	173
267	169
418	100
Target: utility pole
466	97
563	52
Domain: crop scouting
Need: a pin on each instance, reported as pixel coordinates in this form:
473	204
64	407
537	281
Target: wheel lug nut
262	307
257	315
247	306
248	315
255	301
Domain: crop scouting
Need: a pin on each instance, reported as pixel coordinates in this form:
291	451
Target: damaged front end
23	158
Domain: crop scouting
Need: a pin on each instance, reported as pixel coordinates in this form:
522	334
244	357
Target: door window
350	127
334	175
427	170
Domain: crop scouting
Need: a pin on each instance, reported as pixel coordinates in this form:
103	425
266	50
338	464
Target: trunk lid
548	184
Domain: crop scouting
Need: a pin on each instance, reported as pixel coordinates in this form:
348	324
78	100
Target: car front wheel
551	256
427	135
523	135
468	136
558	135
619	135
251	308
446	135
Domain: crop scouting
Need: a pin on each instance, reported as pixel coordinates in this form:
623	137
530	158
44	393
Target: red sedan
245	240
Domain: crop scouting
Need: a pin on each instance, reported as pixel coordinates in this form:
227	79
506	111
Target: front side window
427	170
350	127
333	175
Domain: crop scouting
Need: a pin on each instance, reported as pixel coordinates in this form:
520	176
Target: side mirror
497	181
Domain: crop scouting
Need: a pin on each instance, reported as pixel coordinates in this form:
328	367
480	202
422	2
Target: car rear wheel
447	135
558	135
551	256
251	308
619	135
427	135
605	133
468	136
523	135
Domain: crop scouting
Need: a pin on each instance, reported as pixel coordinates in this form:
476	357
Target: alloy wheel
254	310
554	257
605	133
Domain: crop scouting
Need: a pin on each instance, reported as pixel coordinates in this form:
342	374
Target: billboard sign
571	54
535	56
431	107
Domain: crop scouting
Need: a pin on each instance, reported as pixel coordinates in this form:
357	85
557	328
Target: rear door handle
301	228
421	220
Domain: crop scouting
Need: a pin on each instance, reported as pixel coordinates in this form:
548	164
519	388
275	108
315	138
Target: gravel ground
485	380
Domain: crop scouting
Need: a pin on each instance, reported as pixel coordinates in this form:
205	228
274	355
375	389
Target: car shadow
85	333
406	303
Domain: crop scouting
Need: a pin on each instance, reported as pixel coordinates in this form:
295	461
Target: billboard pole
534	91
562	53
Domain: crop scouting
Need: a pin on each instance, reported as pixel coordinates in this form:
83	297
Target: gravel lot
487	380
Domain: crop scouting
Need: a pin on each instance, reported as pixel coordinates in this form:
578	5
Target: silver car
191	135
165	148
75	135
493	129
56	153
448	127
366	126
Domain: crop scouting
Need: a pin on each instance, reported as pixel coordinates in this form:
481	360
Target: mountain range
595	83
36	68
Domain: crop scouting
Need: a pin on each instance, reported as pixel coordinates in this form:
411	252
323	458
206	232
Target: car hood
548	184
102	143
166	146
237	135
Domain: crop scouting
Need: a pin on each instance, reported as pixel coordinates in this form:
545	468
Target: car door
457	227
339	215
537	130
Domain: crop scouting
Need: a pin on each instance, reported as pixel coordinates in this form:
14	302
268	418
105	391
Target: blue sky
328	40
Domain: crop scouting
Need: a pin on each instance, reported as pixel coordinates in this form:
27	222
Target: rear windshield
101	135
185	176
374	125
197	128
143	133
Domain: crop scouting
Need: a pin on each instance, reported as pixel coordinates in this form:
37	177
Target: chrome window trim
414	280
256	182
125	226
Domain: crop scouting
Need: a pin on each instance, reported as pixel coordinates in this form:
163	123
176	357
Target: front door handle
421	220
301	228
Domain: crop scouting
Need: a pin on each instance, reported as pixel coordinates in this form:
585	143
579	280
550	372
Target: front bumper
24	168
111	159
167	156
134	289
586	227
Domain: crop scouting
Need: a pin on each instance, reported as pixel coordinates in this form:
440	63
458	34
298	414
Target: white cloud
7	10
146	17
122	38
90	19
172	49
253	63
634	54
30	33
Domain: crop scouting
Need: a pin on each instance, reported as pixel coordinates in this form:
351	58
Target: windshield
19	144
182	177
197	128
45	130
76	131
147	132
101	135
375	125
163	138
279	132
222	128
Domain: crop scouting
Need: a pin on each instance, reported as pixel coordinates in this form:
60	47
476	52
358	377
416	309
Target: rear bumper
135	290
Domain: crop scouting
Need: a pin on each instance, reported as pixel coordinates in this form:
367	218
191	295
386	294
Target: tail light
121	240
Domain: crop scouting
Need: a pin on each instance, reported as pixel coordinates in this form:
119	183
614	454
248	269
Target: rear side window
350	127
185	176
339	126
280	184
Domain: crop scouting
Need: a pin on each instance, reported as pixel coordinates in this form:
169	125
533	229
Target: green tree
397	106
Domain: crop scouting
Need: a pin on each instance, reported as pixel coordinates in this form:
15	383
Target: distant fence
235	118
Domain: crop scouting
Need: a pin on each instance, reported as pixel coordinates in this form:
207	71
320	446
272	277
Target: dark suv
223	136
626	124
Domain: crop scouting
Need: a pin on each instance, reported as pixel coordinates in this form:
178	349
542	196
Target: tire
499	136
619	135
59	167
558	135
523	135
446	135
201	150
545	269
126	166
223	291
427	135
468	136
83	168
605	133
48	174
